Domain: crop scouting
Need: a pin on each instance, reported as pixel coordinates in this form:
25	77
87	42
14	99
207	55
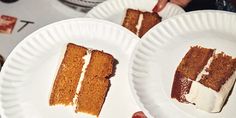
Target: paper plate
114	10
27	76
161	50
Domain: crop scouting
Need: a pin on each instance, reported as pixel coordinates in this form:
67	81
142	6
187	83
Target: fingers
139	114
160	5
182	3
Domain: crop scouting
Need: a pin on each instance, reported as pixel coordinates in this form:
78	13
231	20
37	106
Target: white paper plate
161	50
28	73
114	10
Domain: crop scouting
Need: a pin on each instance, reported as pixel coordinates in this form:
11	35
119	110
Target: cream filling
204	72
86	58
138	26
206	98
86	62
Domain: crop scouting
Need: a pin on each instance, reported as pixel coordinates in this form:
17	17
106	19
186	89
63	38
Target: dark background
227	5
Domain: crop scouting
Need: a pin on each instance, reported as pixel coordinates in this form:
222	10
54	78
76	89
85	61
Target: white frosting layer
206	98
204	72
86	62
138	26
86	58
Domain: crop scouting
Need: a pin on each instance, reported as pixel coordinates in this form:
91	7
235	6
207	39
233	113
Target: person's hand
139	114
162	3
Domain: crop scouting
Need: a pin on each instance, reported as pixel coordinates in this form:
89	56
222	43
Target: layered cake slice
96	83
187	71
214	81
83	79
131	20
68	75
140	22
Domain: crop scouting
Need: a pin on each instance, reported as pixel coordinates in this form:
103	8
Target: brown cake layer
220	70
194	61
190	66
131	19
68	75
96	83
180	87
149	20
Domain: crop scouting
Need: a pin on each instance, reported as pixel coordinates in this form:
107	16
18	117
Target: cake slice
187	71
215	83
83	79
140	22
204	78
68	75
96	83
131	20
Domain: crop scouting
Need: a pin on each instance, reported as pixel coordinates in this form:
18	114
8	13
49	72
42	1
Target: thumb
160	5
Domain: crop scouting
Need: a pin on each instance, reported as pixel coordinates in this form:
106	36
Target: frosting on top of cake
206	98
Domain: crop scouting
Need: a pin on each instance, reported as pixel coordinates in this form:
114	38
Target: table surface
41	12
